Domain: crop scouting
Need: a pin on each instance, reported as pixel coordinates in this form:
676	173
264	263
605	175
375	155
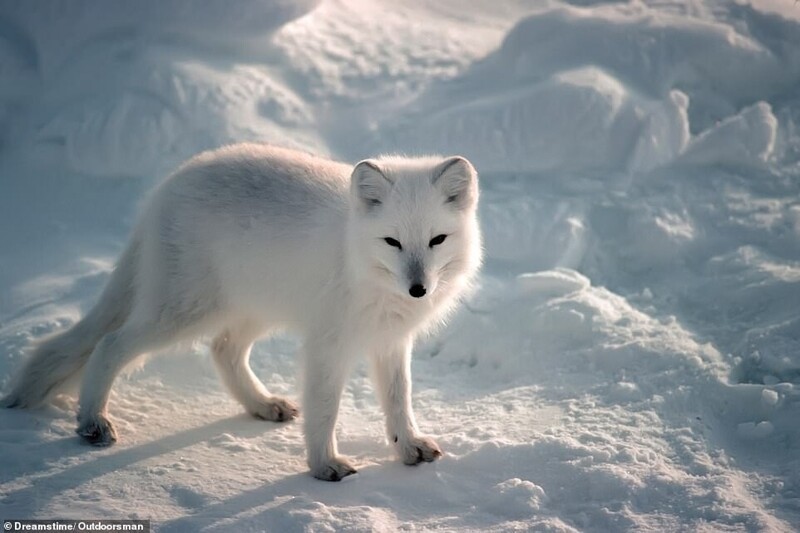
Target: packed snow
631	359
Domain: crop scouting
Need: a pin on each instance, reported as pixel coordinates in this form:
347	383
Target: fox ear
369	184
458	181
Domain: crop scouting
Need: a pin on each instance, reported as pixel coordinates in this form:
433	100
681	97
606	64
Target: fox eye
439	239
393	242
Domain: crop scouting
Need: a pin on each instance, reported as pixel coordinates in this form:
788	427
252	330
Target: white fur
250	238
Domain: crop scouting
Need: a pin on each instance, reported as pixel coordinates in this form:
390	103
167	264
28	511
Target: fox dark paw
97	431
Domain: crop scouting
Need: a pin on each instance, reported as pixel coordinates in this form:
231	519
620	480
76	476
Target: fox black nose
417	291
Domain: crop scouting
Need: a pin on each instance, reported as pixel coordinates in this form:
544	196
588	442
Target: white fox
251	238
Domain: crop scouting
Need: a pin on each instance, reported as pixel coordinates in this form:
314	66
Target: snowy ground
632	360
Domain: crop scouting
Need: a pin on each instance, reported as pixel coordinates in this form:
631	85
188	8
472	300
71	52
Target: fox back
292	239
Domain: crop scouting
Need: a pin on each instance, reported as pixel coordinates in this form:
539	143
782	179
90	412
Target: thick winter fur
250	238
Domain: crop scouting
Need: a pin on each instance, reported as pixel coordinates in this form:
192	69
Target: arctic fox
250	238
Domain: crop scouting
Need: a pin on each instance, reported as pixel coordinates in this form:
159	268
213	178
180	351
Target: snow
631	360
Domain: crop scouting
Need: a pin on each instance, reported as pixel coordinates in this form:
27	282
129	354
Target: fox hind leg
114	351
231	352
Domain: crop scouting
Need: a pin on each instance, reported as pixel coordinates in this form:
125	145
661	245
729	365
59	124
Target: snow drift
621	83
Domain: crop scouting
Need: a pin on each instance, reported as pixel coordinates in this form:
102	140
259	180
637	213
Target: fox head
413	226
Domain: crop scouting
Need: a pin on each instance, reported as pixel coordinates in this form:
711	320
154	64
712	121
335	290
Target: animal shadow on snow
281	506
30	500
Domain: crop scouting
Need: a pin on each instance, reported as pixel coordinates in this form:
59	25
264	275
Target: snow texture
631	360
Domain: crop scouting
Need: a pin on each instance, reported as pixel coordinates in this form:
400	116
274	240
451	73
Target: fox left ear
458	181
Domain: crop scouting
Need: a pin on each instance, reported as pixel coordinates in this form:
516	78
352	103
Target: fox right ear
369	184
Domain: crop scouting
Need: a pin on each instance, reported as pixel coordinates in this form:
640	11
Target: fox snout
417	290
416	275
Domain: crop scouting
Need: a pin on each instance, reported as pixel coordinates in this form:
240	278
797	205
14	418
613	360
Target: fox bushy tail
58	360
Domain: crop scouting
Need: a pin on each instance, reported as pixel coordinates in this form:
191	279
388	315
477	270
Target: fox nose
417	291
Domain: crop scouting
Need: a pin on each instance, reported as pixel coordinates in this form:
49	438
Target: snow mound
719	64
622	111
553	283
155	104
233	444
518	498
604	119
744	139
567	320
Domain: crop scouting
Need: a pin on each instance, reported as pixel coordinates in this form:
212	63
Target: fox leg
326	369
391	373
110	355
231	351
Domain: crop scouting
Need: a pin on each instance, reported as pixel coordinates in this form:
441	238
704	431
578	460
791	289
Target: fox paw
275	409
97	431
334	470
420	449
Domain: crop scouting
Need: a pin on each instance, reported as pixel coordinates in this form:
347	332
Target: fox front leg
392	376
326	370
